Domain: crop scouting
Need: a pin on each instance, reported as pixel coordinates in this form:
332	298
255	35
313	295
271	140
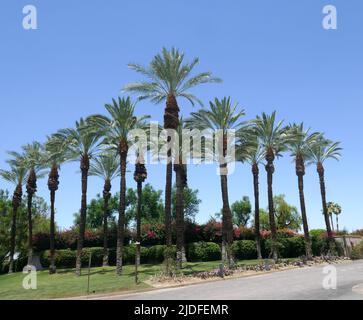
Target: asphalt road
295	284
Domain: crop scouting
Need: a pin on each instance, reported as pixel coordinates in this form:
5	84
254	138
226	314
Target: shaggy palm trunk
140	175
53	187
180	184
83	216
123	149
138	230
106	198
18	193
255	172
270	169
300	172
31	189
227	225
320	170
171	122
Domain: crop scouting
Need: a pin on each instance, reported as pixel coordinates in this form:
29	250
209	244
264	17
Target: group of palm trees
101	145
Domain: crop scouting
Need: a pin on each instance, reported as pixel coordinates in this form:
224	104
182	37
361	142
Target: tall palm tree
82	144
168	78
221	118
299	146
248	149
320	151
16	175
34	161
273	139
54	156
117	130
140	176
106	166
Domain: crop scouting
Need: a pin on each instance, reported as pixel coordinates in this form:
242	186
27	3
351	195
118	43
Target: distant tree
191	203
287	216
241	211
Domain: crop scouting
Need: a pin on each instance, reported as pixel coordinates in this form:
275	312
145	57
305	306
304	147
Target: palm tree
34	162
168	77
117	130
82	144
222	117
321	150
140	176
106	166
337	212
334	208
299	146
272	138
54	156
248	149
17	176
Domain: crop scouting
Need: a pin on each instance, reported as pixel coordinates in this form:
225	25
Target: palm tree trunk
123	148
31	188
255	172
337	223
227	225
320	170
83	216
300	172
178	168
106	198
52	267
270	169
138	230
53	183
171	122
16	203
331	221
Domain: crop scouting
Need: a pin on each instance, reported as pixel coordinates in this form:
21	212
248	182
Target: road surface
304	283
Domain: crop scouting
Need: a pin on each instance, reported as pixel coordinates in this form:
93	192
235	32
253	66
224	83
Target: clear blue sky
270	54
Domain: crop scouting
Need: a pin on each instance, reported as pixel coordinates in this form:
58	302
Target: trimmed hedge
203	251
287	247
244	249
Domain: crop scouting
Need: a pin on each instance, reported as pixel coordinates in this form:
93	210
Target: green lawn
66	284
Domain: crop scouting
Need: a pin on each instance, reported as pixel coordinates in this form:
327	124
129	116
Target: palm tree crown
81	141
323	149
300	140
121	121
168	74
271	134
17	171
105	166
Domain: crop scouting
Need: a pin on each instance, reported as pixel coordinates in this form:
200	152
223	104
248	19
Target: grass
102	280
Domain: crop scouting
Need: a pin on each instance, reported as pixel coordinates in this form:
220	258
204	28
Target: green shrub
130	253
67	258
292	247
156	253
244	249
203	251
357	251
